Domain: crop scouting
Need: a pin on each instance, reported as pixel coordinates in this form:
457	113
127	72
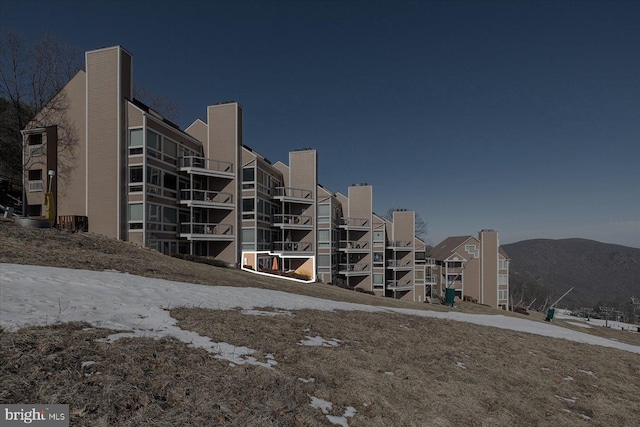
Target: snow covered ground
34	295
590	323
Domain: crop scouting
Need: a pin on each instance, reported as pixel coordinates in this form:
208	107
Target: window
153	176
248	235
378	236
35	145
378	279
453	278
153	212
153	140
135	174
324	260
35	139
248	208
378	258
472	250
503	279
324	238
503	264
170	148
135	138
324	213
248	175
169	218
35	180
170	181
454	264
503	295
135	216
35	175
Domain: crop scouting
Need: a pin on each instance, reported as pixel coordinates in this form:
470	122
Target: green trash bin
449	296
550	314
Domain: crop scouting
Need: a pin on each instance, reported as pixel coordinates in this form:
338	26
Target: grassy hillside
385	369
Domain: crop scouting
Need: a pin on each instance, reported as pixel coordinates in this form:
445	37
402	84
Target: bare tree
421	226
163	105
31	77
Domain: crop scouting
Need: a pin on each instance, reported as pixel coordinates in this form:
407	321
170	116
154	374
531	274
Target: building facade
128	173
476	267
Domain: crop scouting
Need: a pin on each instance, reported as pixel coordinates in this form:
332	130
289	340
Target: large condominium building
474	266
115	165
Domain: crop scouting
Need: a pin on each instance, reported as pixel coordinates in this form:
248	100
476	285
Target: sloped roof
503	253
446	247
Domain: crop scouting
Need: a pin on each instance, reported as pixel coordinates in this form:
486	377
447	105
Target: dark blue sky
519	116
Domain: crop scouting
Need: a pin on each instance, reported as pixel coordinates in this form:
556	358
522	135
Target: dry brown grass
396	370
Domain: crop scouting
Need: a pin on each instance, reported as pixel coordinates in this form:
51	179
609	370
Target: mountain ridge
600	273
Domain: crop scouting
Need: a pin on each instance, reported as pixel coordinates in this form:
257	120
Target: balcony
425	261
204	166
206	199
355	246
206	231
400	285
293	221
401	245
355	269
288	194
400	264
355	224
297	247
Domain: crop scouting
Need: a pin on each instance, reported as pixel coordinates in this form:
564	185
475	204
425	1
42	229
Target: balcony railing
293	246
407	244
205	164
206	197
395	284
354	244
206	229
355	267
288	219
399	263
35	186
294	193
426	261
355	222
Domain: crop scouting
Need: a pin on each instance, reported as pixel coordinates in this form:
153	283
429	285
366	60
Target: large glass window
248	175
135	138
248	208
378	279
324	260
135	212
378	236
248	238
378	258
169	219
153	212
135	174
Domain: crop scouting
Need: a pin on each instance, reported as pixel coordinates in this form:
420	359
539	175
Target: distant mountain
601	273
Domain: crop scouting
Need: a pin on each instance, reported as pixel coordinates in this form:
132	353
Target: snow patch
318	341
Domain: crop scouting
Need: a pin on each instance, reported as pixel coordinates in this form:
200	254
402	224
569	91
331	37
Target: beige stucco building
117	167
